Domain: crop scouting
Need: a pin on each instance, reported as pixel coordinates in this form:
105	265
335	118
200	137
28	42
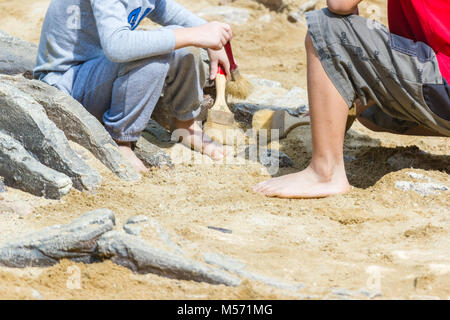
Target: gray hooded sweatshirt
75	31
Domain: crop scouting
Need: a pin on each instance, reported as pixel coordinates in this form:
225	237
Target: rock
272	4
157	131
223	230
428	188
243	112
259	82
36	294
77	124
267	157
227	14
238	267
2	184
18	209
343	292
418	176
136	254
409	159
26	121
16	56
160	238
265	18
404	185
349	158
151	154
76	241
268	94
225	262
135	224
296	16
370	294
21	170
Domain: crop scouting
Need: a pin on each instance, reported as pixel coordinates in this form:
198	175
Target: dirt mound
377	239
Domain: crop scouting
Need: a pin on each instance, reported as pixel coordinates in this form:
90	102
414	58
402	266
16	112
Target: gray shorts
364	60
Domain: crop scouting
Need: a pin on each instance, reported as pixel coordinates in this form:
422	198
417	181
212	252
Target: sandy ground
375	238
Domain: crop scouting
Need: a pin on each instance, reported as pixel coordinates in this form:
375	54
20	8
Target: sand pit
375	242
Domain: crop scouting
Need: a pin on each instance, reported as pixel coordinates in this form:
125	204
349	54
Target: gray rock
36	294
135	224
411	159
224	262
260	82
16	56
265	18
349	158
157	131
428	188
243	112
268	94
162	238
136	254
151	154
370	294
26	121
223	230
238	267
76	241
77	124
272	4
343	292
21	170
267	157
227	14
273	282
418	176
296	16
2	184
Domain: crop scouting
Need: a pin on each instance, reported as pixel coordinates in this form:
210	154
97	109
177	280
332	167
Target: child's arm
343	7
120	44
197	32
171	13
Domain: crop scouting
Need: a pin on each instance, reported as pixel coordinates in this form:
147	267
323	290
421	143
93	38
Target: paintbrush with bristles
238	86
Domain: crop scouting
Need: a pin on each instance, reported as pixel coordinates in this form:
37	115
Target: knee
154	65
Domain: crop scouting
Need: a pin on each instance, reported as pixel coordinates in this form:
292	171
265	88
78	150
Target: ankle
327	169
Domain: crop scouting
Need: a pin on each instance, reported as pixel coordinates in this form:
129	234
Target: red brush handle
229	51
220	70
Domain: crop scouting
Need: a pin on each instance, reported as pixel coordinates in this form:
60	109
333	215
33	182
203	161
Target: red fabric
427	21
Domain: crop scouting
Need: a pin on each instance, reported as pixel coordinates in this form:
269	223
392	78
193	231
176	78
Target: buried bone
76	241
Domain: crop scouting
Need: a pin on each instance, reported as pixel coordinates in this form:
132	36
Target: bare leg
326	173
193	137
127	152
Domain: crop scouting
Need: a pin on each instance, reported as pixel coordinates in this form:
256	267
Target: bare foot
305	184
192	136
127	152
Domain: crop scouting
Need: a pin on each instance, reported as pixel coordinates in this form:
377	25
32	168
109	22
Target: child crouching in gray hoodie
91	50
